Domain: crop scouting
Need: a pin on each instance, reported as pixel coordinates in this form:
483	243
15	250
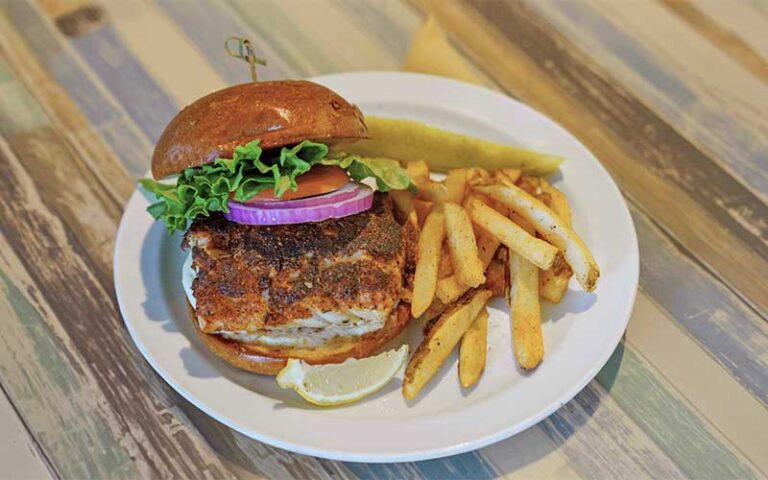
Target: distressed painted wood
19	454
669	95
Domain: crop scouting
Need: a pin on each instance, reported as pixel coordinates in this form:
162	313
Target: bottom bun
270	359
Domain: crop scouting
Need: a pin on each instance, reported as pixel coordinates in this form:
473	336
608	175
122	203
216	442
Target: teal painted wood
471	465
107	117
125	77
668	420
734	334
203	21
34	389
732	137
602	441
392	23
297	50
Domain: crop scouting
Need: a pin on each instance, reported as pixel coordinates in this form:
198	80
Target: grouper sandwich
294	250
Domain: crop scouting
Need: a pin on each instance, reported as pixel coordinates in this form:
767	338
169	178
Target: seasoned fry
557	202
525	312
495	275
440	341
541	253
422	210
418	170
553	229
445	268
425	278
472	350
462	245
456	183
553	283
404	203
529	184
406	139
449	288
513	174
434	310
478	176
433	192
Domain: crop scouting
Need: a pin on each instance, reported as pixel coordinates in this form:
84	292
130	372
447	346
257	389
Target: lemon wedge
337	384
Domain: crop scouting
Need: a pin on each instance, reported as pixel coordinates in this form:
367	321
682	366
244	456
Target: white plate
579	334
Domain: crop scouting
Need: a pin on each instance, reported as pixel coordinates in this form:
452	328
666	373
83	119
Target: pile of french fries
484	234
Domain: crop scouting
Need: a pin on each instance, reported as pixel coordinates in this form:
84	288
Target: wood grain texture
709	98
719	36
107	117
20	454
655	167
709	388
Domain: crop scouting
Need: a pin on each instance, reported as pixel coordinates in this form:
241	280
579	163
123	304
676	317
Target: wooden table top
670	96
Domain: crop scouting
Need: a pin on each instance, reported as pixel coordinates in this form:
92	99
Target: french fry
422	210
425	278
553	283
478	176
557	202
449	288
434	311
433	192
495	275
445	267
404	203
529	184
418	170
553	229
472	350
456	183
525	312
440	341
539	252
512	174
462	245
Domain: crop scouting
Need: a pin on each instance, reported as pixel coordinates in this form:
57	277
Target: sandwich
295	250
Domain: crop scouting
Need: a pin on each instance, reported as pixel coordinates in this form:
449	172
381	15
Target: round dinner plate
579	334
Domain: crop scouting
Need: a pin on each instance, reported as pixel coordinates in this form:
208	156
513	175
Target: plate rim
499	434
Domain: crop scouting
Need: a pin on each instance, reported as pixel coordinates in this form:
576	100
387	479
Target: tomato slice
318	181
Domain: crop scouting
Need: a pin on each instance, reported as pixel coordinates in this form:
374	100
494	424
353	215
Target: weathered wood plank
54	165
694	445
719	36
19	453
731	332
203	20
705	384
654	165
57	105
708	96
180	70
126	79
391	23
106	116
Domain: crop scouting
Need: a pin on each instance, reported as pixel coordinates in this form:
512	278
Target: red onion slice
347	191
252	215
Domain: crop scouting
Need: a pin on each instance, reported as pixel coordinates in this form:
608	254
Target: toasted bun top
278	113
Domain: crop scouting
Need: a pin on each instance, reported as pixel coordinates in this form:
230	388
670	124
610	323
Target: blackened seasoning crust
254	277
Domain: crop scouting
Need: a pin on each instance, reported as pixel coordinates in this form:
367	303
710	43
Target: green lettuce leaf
201	190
